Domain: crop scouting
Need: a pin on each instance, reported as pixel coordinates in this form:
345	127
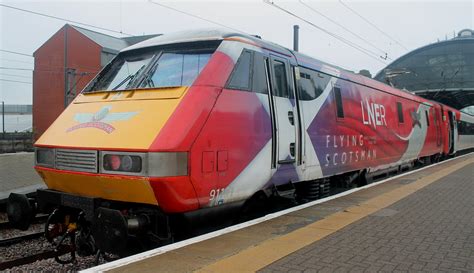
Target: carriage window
176	69
427	118
466	128
400	112
340	109
240	78
259	77
280	80
311	84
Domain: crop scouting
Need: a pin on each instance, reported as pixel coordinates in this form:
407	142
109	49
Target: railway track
35	257
22	237
7	230
38	219
19	239
27	240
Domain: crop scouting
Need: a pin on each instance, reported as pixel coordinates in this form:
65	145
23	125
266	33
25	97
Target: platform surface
17	174
422	221
431	230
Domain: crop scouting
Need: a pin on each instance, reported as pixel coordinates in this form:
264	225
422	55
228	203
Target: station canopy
443	71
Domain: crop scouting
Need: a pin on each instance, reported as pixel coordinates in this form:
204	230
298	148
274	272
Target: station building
443	71
64	64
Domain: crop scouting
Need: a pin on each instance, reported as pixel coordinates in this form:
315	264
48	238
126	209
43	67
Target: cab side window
249	73
259	75
241	76
280	79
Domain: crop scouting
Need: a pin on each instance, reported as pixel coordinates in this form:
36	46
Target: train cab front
106	197
116	161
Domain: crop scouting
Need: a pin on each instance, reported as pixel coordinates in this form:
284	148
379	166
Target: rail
36	257
19	239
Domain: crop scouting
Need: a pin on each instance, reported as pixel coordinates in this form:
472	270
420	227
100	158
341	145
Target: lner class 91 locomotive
193	123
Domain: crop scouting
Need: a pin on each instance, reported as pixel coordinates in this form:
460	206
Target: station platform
18	175
419	221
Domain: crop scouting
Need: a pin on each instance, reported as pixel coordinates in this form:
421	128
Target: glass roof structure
443	71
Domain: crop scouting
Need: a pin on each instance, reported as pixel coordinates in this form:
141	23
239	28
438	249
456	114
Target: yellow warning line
259	256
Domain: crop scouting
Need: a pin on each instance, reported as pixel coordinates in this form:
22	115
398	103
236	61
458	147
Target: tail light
122	163
154	164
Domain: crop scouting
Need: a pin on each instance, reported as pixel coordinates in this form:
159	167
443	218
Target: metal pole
3	118
66	70
296	29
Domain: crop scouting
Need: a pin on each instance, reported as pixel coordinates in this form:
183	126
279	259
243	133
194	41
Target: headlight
44	157
122	163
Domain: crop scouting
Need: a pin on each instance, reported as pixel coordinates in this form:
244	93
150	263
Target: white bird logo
100	119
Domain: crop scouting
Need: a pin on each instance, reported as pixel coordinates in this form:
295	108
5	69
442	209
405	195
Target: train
198	124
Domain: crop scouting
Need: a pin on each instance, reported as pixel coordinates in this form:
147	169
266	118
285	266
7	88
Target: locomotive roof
302	59
220	34
215	34
203	35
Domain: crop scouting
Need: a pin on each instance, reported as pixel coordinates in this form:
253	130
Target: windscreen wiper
129	77
146	78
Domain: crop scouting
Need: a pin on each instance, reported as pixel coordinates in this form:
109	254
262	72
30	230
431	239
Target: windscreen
124	72
154	68
176	69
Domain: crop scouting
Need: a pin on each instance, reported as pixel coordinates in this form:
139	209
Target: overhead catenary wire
349	43
62	67
17	61
37	64
342	39
196	16
372	24
15	52
64	19
16	68
15	81
384	52
19	76
44	70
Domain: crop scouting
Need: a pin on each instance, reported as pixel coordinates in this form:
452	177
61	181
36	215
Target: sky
411	24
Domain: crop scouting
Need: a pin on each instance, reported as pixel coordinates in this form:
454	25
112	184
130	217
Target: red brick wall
49	74
84	56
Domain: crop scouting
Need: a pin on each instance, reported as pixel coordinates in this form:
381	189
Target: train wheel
364	179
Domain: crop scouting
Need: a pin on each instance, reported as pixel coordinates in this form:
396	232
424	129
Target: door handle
291	117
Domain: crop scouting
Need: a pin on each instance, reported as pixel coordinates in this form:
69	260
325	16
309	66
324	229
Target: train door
284	112
455	132
437	120
452	132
